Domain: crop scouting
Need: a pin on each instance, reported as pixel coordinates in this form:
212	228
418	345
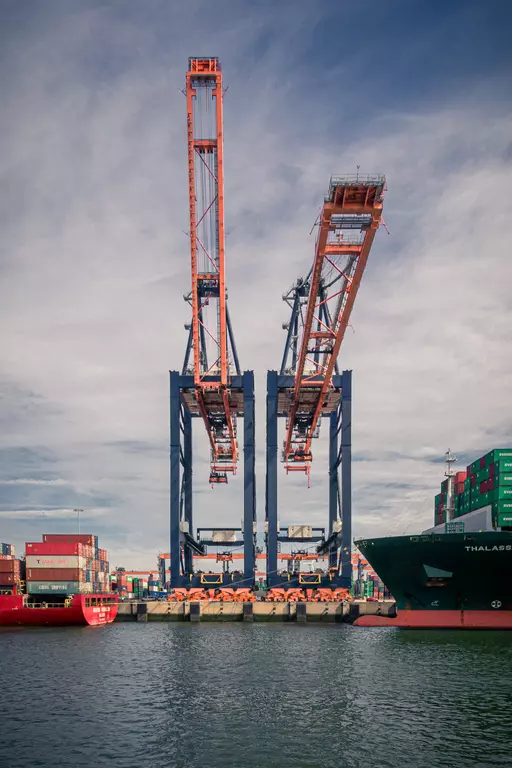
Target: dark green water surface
158	695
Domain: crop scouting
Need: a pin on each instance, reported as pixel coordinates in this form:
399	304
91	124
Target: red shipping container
55	574
482	462
71	538
483	486
7	579
460	477
490	484
473	481
9	566
492	469
64	548
6	557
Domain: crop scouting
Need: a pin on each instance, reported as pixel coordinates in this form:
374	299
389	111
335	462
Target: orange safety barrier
197	594
276	595
341	593
244	595
295	595
226	595
177	595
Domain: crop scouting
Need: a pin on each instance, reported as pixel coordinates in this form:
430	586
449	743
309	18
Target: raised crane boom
211	339
347	224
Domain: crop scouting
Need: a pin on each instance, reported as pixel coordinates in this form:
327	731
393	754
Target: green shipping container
57	587
502	492
503	466
504	520
497	455
482	474
504	479
500	507
480	501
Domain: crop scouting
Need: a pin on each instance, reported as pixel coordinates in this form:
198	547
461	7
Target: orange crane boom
210	328
347	224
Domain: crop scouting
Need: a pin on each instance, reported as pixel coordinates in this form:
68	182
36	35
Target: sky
94	255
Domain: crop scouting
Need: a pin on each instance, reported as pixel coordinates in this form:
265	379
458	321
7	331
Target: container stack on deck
10	574
365	582
486	483
135	587
66	564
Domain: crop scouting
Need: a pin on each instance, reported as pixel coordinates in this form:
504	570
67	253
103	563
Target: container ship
63	580
457	573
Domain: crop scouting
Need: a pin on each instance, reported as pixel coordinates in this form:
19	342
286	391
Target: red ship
62	581
75	610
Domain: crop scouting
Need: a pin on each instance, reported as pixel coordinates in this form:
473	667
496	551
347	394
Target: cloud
94	261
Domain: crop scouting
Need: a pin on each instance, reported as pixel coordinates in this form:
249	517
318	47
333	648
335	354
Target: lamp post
78	517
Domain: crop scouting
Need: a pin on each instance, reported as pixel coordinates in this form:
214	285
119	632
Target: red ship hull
79	610
419	619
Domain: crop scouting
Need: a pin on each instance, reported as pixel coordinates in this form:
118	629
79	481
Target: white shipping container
56	561
300	531
224	537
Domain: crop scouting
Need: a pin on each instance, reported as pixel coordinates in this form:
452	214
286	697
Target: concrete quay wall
213	610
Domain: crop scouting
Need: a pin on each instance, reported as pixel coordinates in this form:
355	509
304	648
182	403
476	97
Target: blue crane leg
187	472
333	480
346	473
271	479
249	480
175	477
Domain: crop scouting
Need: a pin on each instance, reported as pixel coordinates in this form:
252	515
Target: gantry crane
309	384
211	385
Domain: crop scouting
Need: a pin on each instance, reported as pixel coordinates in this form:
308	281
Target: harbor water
245	695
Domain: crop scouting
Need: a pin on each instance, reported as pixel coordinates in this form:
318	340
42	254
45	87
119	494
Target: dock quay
261	611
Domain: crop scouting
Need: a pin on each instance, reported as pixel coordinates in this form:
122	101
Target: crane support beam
184	408
337	541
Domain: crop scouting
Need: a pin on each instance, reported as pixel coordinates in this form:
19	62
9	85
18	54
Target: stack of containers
153	585
439	509
121	582
140	588
487	483
491	485
9	569
459	498
459	494
66	564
